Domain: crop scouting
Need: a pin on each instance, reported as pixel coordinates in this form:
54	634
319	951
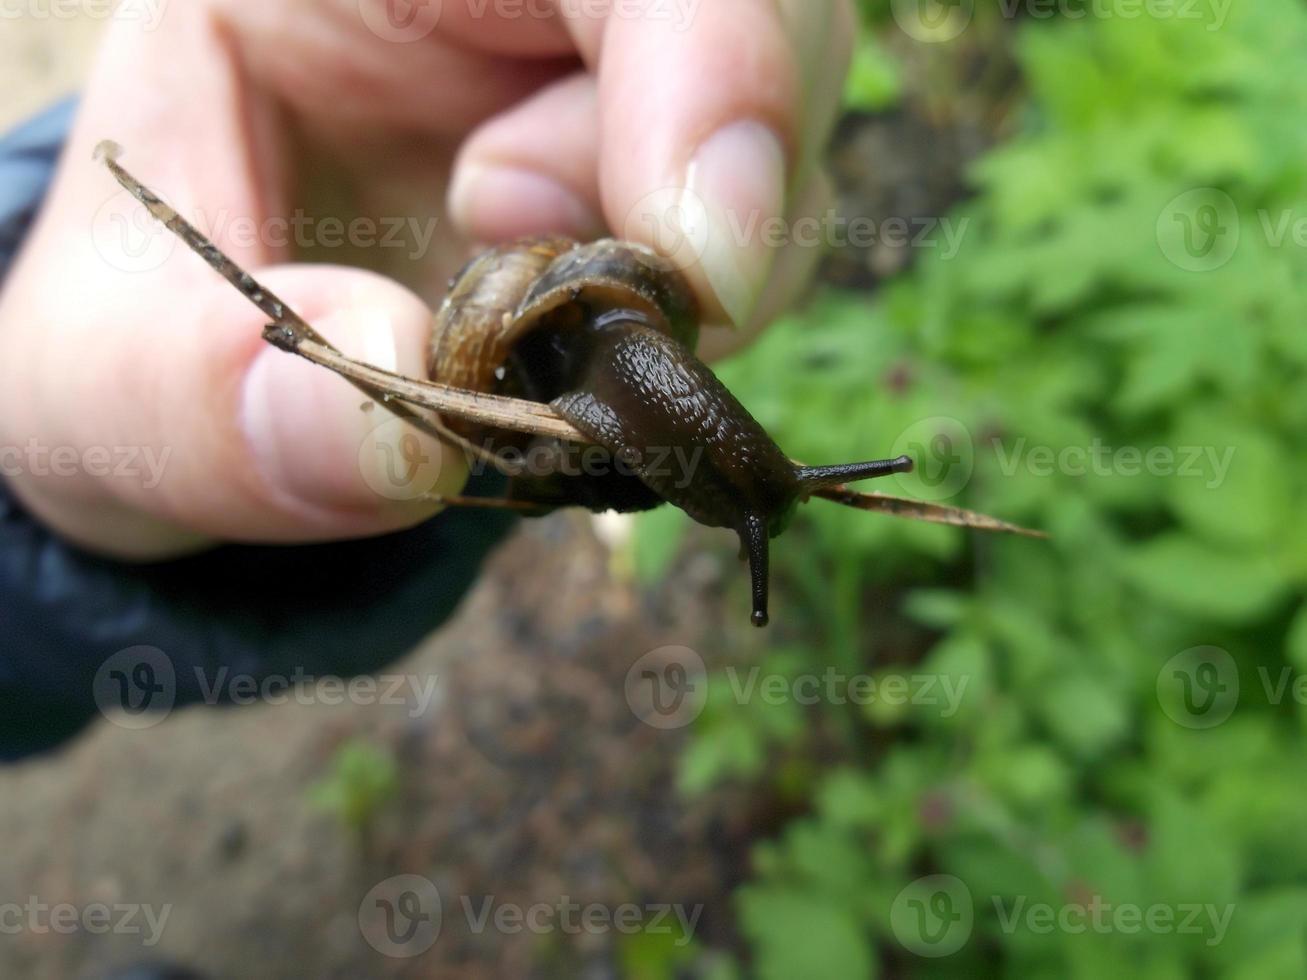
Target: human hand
367	120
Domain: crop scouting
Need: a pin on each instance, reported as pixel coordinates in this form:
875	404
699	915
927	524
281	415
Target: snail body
604	334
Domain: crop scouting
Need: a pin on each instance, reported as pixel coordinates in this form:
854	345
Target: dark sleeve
79	633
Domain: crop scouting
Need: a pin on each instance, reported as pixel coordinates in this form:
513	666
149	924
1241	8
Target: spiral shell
509	291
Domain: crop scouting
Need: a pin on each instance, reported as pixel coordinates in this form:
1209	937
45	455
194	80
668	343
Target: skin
492	125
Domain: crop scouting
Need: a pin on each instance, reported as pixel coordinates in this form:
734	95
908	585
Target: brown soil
530	779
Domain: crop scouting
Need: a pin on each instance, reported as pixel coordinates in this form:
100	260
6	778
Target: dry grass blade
495	410
921	510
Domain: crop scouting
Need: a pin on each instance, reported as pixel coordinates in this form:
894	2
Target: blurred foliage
1133	277
363	778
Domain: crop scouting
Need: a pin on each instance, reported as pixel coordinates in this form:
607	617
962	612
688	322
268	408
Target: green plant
363	778
1128	281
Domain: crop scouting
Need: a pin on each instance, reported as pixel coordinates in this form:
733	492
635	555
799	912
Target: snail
549	341
604	334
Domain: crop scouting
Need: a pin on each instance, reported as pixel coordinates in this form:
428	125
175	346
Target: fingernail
736	185
499	202
318	448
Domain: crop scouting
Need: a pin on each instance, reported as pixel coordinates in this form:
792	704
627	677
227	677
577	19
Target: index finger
699	107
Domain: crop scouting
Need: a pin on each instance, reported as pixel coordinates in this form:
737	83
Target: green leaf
1084	714
1230	482
1203	581
803	934
873	81
848	798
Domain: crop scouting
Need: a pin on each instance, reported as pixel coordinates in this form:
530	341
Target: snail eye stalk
754	539
816	477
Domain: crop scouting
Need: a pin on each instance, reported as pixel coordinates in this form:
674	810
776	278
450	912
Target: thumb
233	438
326	454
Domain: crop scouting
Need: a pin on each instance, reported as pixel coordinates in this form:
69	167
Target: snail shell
509	293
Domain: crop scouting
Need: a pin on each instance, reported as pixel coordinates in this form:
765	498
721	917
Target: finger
700	125
791	276
355	70
235	439
533	169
